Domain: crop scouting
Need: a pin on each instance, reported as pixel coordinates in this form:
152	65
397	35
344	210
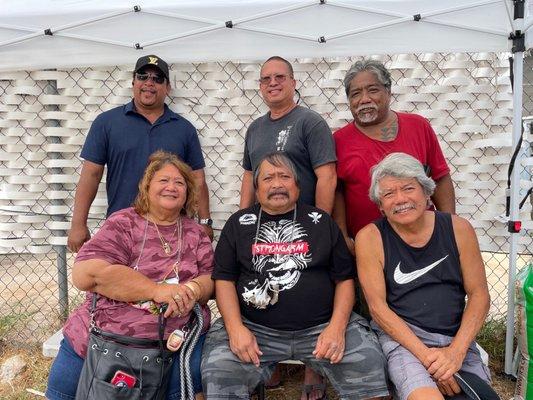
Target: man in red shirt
375	132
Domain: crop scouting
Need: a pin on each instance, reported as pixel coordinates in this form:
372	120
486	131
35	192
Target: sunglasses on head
154	77
279	78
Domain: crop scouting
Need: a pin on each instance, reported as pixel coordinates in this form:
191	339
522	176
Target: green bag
524	302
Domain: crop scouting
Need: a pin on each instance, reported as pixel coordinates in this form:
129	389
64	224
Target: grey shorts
407	373
360	374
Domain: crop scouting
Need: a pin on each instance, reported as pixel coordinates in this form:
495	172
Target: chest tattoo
389	132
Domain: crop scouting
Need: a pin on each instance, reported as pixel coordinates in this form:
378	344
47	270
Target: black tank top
425	284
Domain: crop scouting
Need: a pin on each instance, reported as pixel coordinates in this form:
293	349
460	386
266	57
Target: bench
51	347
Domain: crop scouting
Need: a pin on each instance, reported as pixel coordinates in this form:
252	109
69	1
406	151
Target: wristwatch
205	221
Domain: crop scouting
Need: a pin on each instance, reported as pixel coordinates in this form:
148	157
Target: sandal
275	381
307	389
274	385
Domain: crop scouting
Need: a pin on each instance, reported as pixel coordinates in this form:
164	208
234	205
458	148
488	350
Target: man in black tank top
416	267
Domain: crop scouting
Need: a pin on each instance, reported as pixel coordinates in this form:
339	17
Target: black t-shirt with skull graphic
286	277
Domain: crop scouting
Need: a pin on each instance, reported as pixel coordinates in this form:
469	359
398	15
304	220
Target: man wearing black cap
124	137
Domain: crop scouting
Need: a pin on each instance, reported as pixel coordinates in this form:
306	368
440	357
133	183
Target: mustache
366	107
410	206
278	192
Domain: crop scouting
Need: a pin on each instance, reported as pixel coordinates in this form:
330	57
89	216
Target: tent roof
104	32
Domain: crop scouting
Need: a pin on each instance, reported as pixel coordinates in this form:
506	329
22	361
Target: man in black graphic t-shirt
415	267
306	138
285	289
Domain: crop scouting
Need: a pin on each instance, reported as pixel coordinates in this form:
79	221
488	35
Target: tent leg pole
509	334
518	67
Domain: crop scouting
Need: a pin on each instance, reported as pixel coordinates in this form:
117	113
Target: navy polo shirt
123	140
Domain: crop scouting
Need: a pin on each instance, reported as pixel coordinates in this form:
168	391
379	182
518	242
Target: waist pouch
147	361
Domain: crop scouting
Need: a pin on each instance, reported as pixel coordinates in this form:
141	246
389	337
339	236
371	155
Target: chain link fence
45	115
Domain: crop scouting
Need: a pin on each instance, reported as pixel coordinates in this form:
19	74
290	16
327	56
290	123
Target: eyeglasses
279	78
154	77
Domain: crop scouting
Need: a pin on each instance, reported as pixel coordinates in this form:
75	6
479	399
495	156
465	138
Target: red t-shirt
357	154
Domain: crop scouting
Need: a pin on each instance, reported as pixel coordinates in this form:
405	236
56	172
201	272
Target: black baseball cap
153	61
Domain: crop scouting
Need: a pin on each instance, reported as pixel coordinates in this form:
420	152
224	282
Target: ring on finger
177	297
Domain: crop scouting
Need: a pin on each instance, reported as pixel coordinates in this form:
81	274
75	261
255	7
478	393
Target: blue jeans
66	369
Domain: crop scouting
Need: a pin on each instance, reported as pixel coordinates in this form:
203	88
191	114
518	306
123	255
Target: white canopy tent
39	34
67	33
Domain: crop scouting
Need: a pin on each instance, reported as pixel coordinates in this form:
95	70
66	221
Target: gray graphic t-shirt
302	134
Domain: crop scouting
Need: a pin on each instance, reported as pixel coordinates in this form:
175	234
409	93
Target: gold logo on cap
152	60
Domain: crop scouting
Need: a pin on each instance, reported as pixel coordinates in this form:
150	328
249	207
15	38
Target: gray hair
278	159
373	66
402	166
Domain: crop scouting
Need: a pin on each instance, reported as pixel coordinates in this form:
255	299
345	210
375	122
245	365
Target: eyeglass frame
279	78
156	78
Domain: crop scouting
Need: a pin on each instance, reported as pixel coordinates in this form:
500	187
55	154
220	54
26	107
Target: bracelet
196	293
200	287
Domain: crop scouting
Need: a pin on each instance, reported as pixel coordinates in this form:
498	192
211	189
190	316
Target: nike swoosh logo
402	278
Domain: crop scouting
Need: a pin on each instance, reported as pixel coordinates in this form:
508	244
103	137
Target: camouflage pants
360	374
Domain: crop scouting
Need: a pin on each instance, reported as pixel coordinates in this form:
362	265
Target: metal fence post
60	250
62	281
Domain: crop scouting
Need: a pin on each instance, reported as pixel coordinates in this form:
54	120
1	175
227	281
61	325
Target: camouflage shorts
360	375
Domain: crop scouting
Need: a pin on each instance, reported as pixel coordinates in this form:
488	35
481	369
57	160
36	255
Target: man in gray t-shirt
306	138
296	130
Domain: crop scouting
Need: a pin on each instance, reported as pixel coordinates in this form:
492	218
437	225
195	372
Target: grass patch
6	323
492	338
9	322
